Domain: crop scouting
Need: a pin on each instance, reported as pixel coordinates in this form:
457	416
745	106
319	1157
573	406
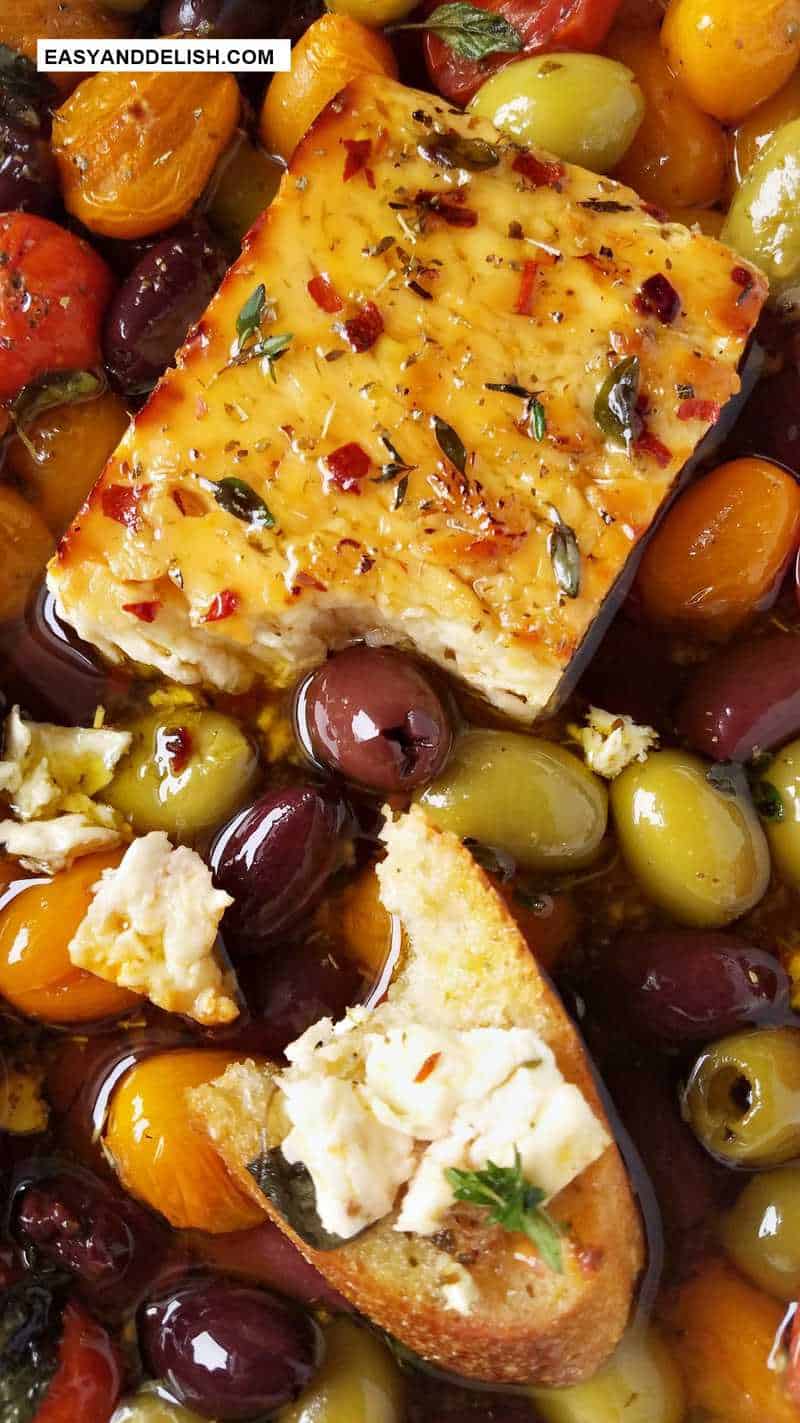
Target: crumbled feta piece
47	769
460	1294
611	742
152	927
53	845
376	1103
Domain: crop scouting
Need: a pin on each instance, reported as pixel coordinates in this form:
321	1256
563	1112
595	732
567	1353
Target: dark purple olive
681	986
430	1398
769	425
168	289
228	1350
28	170
631	676
110	1244
745	698
240	19
372	715
275	858
50	671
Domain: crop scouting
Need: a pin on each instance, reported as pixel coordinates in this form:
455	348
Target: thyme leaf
565	556
450	444
471	32
513	1203
269	350
238	498
615	407
248	321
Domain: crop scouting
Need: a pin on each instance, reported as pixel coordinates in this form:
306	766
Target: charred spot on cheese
658	297
461	571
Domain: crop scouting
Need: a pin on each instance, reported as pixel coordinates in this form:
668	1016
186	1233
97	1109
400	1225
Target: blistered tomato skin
698	852
275	859
719	555
677	986
742	1098
731	55
88	1380
373	716
761	1233
744	698
227	1350
150	315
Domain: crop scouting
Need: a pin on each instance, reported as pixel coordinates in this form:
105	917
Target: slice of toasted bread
466	965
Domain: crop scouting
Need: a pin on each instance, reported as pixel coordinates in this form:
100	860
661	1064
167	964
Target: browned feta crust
416	259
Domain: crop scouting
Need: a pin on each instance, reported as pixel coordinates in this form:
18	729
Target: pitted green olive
151	1406
762	1232
742	1099
359	1382
783	830
763	223
639	1384
582	107
187	771
245	184
695	845
527	797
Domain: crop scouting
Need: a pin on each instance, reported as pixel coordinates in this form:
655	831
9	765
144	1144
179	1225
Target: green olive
639	1384
149	1406
529	798
699	852
359	1382
742	1099
763	223
783	834
245	183
187	771
762	1232
582	107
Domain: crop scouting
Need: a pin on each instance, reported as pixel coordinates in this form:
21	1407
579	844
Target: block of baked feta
438	401
470	1060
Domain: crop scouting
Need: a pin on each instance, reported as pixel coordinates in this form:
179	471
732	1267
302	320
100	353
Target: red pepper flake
307	580
541	172
119	502
189	503
173	748
222	605
428	1066
448	206
347	466
324	293
145	612
648	444
527	288
743	278
658	297
652	210
707	410
359	151
362	330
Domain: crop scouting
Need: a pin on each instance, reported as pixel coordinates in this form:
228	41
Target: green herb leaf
269	350
615	407
536	418
508	388
512	1202
565	556
248	321
455	150
237	497
396	465
56	388
767	800
291	1191
400	492
473	33
450	444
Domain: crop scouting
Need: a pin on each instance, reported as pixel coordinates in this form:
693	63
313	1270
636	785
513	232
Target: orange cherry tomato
37	921
542	25
26	543
731	55
54	290
71	445
161	1157
88	1380
332	52
721	549
23	22
679	155
550	925
755	133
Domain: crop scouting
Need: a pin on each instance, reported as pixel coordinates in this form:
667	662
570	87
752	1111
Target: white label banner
156	56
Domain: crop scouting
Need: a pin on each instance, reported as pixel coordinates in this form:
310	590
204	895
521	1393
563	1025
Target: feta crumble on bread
48	769
152	927
376	1103
611	742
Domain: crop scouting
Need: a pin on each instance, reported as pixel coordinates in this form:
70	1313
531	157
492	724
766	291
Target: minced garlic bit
611	742
49	769
152	927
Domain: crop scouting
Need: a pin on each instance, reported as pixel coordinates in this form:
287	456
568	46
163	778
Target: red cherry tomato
53	293
543	24
88	1380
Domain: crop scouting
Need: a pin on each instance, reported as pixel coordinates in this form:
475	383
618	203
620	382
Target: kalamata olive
28	170
228	1350
110	1244
275	858
371	714
239	19
745	698
50	671
287	992
630	675
678	986
168	289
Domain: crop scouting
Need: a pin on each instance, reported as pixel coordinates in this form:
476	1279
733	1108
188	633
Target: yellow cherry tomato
731	55
333	51
679	155
65	452
26	543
